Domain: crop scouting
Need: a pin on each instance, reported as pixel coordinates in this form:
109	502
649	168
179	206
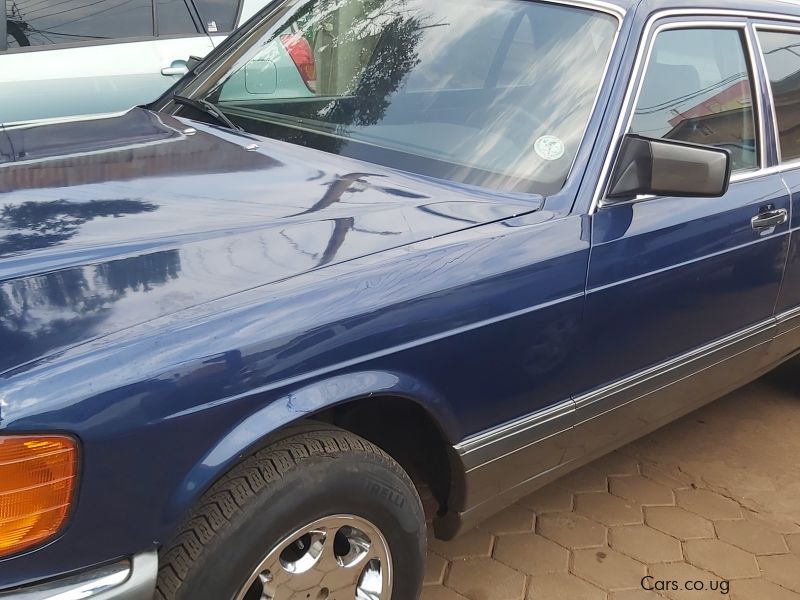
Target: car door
70	57
681	291
778	43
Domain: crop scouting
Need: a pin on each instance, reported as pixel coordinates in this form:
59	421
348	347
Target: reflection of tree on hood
33	225
62	306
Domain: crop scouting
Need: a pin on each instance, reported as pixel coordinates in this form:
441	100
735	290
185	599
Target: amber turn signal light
38	476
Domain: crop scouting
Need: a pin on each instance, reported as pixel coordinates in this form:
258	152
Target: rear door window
51	22
174	18
782	56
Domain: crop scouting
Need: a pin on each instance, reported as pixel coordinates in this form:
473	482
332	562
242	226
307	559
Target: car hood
109	222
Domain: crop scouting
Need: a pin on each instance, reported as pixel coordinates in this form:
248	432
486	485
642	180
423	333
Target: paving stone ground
713	499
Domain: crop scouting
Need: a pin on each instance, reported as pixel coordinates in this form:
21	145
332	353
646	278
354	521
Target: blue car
245	330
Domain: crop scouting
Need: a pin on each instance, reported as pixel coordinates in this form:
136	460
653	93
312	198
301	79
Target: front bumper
133	579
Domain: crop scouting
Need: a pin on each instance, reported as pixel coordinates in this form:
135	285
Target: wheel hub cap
342	557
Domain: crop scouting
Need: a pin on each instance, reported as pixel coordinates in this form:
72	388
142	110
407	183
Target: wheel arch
377	405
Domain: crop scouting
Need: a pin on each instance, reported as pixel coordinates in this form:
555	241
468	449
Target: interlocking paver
760	589
607	509
585	479
571	531
482	578
472	543
641	490
751	537
783	569
678	523
778	524
439	592
645	544
721	558
607	568
515	519
564	542
616	463
562	585
637	594
708	504
531	553
434	569
659	475
550	498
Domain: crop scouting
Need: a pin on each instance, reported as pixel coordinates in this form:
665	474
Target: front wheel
321	514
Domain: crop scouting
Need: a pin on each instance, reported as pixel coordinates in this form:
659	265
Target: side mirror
667	168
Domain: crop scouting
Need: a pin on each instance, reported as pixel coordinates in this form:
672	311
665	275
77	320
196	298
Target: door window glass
782	55
174	18
698	89
46	22
219	16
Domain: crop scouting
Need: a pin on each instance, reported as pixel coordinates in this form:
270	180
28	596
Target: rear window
495	94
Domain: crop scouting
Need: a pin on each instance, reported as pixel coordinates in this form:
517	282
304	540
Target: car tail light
38	477
303	56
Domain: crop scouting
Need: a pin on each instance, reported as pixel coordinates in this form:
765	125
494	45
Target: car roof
777	7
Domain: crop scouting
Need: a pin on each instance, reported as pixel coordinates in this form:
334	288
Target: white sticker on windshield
211	27
549	147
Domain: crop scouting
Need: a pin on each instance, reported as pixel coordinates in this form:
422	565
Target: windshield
489	93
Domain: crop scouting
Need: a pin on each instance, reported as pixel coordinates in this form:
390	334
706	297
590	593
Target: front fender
250	433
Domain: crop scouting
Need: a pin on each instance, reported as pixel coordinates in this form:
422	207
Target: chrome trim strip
634	89
598	5
633	407
495	460
788	315
752	333
602	82
476	443
133	579
757	84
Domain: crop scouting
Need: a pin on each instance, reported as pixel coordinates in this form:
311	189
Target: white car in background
74	57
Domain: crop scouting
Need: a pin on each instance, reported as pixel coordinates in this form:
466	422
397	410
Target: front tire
320	514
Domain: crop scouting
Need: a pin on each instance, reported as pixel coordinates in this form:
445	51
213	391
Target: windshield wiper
208	108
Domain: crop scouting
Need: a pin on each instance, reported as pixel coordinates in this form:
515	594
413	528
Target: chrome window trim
765	27
598	5
603	78
643	54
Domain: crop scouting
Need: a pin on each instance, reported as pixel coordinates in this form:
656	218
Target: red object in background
303	56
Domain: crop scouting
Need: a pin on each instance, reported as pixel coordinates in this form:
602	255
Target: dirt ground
706	507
